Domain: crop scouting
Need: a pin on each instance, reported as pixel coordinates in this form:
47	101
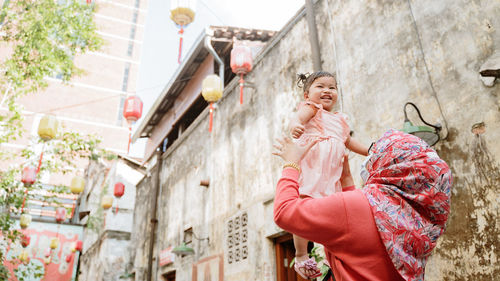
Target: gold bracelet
292	165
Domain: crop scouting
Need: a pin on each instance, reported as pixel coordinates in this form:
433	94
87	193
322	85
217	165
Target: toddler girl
321	167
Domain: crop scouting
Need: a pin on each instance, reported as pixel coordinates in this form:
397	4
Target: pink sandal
301	267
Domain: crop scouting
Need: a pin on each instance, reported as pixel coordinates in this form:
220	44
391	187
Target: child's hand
296	129
290	151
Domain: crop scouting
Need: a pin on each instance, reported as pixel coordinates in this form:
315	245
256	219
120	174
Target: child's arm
355	146
301	117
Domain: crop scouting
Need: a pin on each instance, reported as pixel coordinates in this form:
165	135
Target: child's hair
306	79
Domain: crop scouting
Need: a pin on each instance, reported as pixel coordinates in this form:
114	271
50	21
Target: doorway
285	252
170	276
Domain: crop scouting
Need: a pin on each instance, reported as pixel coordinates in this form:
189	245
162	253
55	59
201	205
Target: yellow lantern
25	220
107	202
211	90
182	13
54	243
47	128
23	256
77	185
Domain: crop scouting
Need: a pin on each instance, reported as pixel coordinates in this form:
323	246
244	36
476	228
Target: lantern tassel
24	199
241	88
73	211
181	32
129	138
211	117
40	160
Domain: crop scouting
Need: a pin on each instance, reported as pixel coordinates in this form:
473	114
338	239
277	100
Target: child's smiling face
323	90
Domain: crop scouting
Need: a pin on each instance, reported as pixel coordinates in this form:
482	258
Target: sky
161	42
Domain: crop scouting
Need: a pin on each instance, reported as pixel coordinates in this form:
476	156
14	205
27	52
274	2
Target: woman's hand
290	151
346	179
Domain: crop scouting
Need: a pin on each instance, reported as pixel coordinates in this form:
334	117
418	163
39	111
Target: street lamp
184	250
429	133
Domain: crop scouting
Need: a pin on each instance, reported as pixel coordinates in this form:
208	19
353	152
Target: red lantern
60	214
119	189
69	258
25	240
78	245
132	110
29	175
241	64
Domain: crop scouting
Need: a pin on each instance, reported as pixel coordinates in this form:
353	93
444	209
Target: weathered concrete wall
381	66
141	230
106	252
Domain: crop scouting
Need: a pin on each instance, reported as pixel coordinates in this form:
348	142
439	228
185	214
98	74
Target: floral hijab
408	189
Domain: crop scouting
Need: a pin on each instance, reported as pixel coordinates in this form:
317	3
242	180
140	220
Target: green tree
41	38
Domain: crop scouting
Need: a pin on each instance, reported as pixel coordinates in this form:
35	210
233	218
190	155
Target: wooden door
285	252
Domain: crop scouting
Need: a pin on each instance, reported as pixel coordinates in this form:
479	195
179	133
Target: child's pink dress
322	165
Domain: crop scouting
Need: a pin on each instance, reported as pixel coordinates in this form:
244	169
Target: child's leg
301	255
300	247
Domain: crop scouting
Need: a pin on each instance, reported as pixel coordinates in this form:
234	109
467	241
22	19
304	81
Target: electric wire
427	69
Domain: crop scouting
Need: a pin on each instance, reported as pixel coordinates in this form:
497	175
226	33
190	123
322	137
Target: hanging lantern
241	64
119	189
211	90
47	128
77	246
69	258
118	192
54	243
182	13
25	221
77	185
60	214
25	240
132	110
28	176
107	202
23	256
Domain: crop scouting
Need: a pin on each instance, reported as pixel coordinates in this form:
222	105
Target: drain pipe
313	35
208	45
154	218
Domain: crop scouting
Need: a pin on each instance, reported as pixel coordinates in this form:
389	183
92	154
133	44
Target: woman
387	229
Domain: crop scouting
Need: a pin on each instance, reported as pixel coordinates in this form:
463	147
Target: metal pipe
154	219
313	35
208	45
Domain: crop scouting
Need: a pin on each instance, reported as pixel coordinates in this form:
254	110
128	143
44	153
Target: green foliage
96	219
32	270
46	35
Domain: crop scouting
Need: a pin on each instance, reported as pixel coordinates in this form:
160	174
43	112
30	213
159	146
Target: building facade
214	191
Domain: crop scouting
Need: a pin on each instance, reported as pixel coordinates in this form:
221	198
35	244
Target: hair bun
301	79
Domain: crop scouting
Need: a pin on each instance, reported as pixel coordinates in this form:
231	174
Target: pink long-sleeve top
343	223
